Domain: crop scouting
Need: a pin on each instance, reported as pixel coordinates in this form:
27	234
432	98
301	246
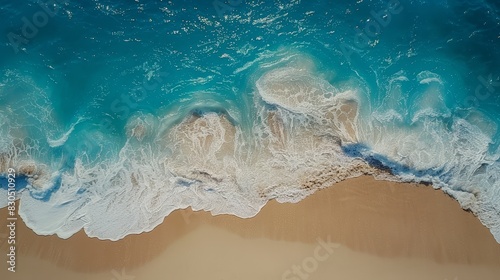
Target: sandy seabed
357	229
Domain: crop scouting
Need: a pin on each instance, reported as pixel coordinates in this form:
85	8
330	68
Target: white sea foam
61	140
427	77
208	161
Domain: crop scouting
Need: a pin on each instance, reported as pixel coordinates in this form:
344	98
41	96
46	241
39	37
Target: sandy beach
357	229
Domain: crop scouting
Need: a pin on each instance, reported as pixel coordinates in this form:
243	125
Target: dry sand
385	230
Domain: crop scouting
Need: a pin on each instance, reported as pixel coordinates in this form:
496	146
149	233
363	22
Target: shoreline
395	222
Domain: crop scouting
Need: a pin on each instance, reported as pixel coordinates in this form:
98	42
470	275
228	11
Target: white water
293	148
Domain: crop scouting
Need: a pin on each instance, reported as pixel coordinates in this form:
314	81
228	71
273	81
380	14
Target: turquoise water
119	114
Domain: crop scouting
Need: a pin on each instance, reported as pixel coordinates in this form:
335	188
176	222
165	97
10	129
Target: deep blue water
82	81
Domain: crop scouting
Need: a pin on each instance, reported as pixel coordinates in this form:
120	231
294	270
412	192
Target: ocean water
116	113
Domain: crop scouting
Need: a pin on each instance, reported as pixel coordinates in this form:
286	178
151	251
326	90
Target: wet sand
376	230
